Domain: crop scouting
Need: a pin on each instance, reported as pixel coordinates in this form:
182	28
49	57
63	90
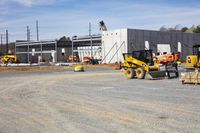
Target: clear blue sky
71	17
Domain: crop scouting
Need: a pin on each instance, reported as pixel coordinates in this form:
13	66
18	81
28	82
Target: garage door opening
163	49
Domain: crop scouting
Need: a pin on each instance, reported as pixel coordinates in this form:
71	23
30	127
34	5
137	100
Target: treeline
193	29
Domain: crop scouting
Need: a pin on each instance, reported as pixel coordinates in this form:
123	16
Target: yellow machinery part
192	74
9	59
134	67
131	62
192	61
155	67
79	68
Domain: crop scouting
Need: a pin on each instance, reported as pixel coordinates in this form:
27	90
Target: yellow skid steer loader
141	65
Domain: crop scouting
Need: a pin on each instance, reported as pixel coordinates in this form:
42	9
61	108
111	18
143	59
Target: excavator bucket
155	75
191	77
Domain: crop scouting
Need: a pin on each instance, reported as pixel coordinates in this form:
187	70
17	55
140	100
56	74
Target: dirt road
96	101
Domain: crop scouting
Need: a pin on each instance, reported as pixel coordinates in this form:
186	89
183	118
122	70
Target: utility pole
90	34
90	29
1	42
6	41
37	29
73	49
28	34
28	40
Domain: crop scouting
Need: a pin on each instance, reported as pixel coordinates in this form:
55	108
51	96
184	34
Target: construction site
116	81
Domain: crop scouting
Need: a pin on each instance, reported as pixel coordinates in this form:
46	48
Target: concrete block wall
135	40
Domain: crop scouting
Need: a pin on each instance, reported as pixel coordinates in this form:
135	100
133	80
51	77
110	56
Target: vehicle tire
130	73
140	73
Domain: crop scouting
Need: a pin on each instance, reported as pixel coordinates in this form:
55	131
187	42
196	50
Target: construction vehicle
8	58
141	65
87	60
170	62
90	60
102	26
167	58
74	59
192	72
79	68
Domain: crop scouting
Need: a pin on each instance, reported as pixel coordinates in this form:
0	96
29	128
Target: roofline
151	31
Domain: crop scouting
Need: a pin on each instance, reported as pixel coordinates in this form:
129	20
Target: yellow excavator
192	72
142	65
8	58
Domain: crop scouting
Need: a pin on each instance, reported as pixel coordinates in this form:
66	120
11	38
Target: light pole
6	41
37	30
1	43
73	38
90	34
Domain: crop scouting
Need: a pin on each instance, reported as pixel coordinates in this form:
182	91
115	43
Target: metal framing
40	45
91	40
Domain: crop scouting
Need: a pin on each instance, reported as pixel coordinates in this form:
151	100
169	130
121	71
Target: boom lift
102	26
165	59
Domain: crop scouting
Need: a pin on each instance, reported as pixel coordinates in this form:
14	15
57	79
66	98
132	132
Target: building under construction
107	46
58	50
117	42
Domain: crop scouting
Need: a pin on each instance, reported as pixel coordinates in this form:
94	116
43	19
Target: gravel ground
96	101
